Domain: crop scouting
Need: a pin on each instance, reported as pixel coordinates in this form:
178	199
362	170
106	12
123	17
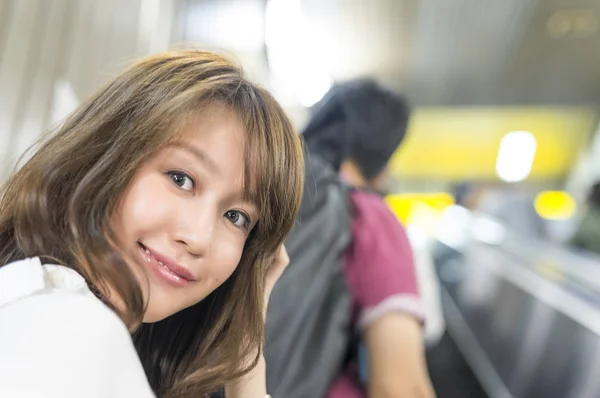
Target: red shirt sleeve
379	263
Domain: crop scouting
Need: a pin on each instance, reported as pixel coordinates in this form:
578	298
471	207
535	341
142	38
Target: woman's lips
164	268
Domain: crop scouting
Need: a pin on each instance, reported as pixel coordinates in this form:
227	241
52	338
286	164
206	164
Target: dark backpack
308	322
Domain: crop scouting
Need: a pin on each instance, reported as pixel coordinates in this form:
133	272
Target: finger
282	259
278	267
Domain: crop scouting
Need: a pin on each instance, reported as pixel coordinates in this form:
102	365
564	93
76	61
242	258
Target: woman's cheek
151	201
230	253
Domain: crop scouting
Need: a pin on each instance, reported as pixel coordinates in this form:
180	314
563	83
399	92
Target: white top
58	340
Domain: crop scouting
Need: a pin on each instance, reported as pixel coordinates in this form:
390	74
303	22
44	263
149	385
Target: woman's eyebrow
201	155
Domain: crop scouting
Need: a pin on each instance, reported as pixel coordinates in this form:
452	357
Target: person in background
587	236
387	310
354	130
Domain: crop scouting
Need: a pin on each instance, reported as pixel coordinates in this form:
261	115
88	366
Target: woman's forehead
229	146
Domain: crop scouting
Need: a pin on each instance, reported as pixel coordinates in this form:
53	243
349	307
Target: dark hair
594	195
58	206
359	121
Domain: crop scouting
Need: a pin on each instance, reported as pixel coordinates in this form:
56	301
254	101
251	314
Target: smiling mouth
166	271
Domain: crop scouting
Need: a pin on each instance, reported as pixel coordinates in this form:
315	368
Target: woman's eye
238	218
182	180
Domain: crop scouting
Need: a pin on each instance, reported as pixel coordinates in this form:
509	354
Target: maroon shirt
380	273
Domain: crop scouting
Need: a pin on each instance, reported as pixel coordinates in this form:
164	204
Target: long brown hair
58	206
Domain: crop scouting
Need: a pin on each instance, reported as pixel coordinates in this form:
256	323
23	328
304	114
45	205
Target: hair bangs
258	173
273	161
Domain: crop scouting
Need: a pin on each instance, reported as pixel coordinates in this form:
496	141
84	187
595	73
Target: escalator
524	314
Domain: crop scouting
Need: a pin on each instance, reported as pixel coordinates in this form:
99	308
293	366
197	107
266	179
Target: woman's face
183	221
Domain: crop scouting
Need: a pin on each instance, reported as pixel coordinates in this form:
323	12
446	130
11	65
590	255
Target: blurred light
236	25
515	156
292	49
488	231
425	217
453	225
555	205
411	207
284	21
314	89
572	23
418	237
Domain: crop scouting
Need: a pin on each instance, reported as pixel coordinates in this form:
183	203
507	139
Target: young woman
157	210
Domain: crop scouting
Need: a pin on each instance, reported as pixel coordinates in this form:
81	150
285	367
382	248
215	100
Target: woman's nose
195	231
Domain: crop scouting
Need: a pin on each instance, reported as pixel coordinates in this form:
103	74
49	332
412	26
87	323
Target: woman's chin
155	316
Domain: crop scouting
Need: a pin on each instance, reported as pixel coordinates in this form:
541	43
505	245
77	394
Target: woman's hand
275	271
254	384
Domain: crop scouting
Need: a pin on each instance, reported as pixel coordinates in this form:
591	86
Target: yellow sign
463	143
410	207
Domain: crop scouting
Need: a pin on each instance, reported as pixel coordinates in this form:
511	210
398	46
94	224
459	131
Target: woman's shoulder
52	293
52	325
